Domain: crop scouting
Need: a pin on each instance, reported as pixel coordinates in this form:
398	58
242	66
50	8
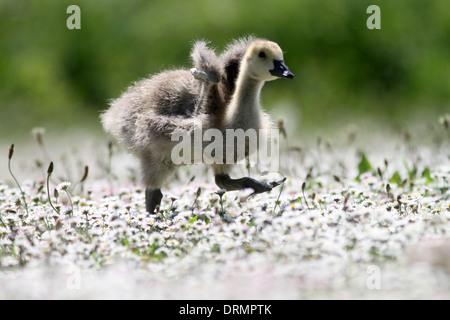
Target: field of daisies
356	218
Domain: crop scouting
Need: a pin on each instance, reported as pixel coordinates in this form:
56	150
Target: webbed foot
225	182
153	200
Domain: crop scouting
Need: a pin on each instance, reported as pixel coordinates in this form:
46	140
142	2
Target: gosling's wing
206	60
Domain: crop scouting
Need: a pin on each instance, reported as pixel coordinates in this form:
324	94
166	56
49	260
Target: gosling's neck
244	110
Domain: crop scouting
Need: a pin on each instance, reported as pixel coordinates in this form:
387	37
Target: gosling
220	92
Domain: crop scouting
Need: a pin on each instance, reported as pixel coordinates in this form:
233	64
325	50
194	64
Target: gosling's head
265	62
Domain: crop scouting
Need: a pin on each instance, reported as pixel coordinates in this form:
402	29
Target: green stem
3	223
277	202
303	191
49	172
70	200
11	150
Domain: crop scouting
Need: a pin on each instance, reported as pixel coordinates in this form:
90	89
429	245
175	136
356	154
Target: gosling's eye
262	55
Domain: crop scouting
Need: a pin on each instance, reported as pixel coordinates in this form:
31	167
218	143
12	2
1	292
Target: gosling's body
222	92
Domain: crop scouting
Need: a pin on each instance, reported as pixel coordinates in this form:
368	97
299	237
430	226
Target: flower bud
50	168
11	151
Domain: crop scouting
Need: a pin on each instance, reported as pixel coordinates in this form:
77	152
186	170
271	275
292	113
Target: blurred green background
58	78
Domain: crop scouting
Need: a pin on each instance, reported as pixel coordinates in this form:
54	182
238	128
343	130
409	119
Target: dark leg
225	182
152	200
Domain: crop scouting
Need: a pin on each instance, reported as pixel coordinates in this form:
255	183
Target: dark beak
281	70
